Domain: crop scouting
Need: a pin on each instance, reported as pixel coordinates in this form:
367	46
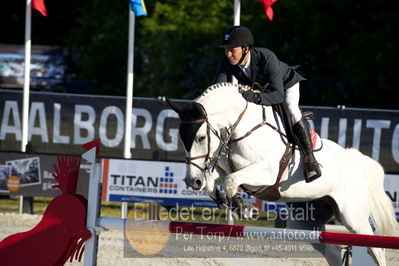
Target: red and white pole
256	233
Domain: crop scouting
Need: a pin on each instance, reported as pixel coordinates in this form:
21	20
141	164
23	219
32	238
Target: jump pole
240	231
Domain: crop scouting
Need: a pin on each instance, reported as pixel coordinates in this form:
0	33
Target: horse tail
382	210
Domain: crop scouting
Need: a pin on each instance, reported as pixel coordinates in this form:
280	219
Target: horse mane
222	85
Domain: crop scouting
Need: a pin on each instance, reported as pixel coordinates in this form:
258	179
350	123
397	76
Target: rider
279	84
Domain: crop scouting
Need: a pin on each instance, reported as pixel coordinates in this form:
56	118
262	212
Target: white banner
391	184
163	182
137	181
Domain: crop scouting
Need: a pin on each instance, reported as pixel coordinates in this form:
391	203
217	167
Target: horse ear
178	107
187	111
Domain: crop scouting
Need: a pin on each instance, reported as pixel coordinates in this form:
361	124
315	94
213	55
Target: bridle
209	128
227	141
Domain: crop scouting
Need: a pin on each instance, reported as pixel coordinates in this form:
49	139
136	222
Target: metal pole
129	89
25	101
129	97
236	21
237	12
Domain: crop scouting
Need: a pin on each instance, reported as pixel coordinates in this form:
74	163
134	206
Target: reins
264	122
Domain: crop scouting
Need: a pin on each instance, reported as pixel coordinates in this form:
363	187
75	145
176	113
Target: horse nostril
198	183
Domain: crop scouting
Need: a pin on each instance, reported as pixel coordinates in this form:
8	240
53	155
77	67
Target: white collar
248	62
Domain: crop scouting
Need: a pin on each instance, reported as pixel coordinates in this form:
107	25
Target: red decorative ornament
61	233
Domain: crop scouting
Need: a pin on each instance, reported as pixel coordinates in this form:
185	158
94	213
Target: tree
179	46
347	50
175	47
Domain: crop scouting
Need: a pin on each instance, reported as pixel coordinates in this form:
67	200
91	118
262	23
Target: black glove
251	96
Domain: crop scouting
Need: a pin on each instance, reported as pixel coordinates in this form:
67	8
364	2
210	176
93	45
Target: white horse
232	143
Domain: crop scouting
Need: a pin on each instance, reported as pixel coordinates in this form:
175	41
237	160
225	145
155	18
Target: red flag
268	7
39	6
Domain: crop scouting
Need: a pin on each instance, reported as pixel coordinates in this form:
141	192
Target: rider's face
233	54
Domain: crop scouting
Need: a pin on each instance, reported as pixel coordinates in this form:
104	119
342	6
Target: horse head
200	141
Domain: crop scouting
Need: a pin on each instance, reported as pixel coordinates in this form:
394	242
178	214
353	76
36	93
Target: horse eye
201	139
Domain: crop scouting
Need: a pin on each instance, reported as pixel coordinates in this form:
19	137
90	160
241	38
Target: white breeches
292	103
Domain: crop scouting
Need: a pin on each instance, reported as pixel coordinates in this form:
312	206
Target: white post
124	210
129	90
230	219
21	204
93	208
237	12
129	97
25	101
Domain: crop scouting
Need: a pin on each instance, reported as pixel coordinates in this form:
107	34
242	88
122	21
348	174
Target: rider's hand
251	96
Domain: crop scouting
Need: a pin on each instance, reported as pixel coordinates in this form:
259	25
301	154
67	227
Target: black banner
373	132
60	123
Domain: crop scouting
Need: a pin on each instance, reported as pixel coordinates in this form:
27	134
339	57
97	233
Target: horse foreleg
255	174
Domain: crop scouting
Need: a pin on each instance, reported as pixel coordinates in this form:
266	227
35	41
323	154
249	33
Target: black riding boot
302	134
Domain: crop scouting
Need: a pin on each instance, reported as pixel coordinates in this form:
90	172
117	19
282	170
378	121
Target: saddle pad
317	143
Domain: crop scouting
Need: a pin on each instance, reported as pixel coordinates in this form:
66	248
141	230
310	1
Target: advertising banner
60	123
391	184
47	66
31	175
163	182
374	132
137	181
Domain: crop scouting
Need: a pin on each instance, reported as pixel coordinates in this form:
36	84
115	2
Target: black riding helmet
237	36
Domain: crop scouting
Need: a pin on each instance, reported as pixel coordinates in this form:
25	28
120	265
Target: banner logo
166	184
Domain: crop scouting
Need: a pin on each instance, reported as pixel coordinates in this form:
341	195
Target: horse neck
223	106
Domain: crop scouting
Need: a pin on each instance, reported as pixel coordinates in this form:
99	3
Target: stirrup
312	171
313	177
